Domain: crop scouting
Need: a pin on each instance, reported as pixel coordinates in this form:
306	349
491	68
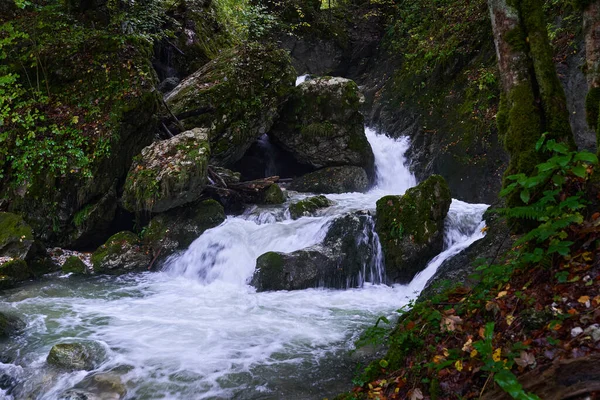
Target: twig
485	384
154	259
176	48
167	131
177	122
216	177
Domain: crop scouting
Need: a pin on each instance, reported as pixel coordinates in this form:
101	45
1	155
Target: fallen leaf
415	394
438	359
450	323
458	365
525	359
497	355
502	294
583	299
473	353
468	345
510	319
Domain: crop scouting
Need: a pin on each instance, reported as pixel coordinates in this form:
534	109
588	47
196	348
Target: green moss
274	195
12	229
271	271
74	265
17	270
308	206
113	245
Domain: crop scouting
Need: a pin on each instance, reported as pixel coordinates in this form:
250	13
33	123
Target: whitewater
197	330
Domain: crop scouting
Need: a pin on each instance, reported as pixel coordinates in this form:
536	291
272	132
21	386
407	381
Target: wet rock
411	227
274	195
86	355
16	237
16	270
168	84
74	265
321	125
228	176
122	253
168	173
10	324
333	180
237	95
99	386
178	228
309	206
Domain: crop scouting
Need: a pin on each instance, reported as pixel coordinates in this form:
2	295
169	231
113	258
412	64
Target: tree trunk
591	31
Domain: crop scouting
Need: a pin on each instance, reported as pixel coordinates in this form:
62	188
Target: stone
16	237
10	324
85	355
309	206
17	270
411	227
176	229
74	265
122	253
237	96
333	180
321	125
274	195
168	173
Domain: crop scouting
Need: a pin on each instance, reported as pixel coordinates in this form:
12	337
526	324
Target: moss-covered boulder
122	253
309	206
333	180
237	95
74	265
321	125
274	195
17	270
10	325
97	386
168	173
85	355
411	227
178	228
16	237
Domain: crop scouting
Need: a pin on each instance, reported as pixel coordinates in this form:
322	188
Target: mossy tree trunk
591	29
533	101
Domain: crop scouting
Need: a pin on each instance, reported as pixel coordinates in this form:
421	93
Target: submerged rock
321	125
86	355
10	325
309	206
237	95
411	227
168	173
333	180
122	253
178	228
74	265
99	386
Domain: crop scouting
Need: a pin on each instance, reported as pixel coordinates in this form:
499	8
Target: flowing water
196	330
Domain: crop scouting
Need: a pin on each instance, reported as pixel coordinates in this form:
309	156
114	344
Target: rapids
196	330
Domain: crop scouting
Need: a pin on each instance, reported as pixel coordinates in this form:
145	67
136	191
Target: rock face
333	180
122	253
344	259
237	95
411	227
321	125
16	237
309	206
168	173
178	228
76	356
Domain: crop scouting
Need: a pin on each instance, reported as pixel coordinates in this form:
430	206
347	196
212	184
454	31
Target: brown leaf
450	323
525	359
415	394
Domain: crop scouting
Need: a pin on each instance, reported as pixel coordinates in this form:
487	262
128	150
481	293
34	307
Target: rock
86	355
321	125
168	84
16	237
178	228
411	227
333	180
99	386
168	173
122	253
237	95
10	324
74	265
347	256
593	331
308	207
274	195
228	176
16	270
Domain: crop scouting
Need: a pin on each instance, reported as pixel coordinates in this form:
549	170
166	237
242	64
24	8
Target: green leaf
525	196
383	363
547	166
579	171
540	142
509	383
587	157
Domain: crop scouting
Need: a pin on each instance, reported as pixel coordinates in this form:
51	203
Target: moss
114	245
12	229
308	206
17	270
76	356
269	274
274	195
74	265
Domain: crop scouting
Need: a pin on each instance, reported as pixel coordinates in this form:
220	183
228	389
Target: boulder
178	228
237	95
98	386
309	206
347	256
273	195
122	253
321	125
16	270
85	355
10	325
168	173
411	227
333	180
16	237
74	265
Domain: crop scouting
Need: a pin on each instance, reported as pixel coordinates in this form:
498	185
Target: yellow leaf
75	119
473	353
583	299
509	319
502	294
484	229
458	365
438	359
496	356
446	352
467	346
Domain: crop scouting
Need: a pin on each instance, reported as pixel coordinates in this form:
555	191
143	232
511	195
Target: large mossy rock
86	355
333	180
321	125
10	325
237	95
411	227
178	228
16	237
168	173
309	206
346	257
122	253
73	265
16	270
